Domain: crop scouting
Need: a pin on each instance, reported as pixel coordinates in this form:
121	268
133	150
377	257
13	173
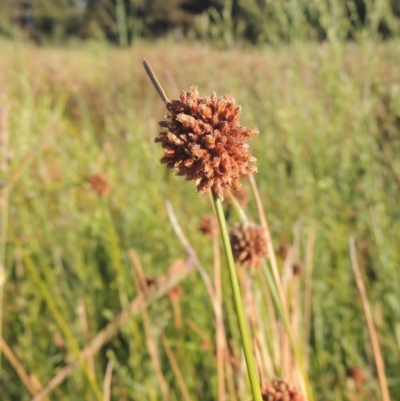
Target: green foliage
221	22
335	20
5	18
327	154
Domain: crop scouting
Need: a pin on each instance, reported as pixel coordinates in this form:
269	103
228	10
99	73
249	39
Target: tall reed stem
237	299
380	365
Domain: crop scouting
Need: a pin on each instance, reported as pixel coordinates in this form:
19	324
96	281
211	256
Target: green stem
237	299
121	23
58	317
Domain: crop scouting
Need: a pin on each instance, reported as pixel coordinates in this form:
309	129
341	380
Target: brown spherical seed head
99	184
249	244
204	142
280	390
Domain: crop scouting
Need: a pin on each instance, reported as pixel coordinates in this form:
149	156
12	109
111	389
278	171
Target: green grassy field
329	120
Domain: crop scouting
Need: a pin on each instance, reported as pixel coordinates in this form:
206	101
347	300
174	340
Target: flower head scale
203	141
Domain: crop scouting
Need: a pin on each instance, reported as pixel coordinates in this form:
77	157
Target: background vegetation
222	21
329	118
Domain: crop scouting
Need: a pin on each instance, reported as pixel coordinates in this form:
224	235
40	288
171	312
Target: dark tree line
224	21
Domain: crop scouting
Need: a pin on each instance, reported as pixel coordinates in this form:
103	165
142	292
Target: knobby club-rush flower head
249	244
203	141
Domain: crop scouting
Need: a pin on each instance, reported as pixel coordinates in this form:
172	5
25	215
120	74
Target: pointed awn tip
154	80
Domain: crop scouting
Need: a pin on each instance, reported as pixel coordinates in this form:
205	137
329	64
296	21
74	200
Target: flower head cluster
280	390
249	244
203	141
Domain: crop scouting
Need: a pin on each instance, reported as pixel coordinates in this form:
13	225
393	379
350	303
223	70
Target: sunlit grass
327	157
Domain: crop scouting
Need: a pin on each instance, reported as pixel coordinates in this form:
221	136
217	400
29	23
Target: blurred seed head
99	184
358	375
280	390
298	269
150	281
204	142
175	294
249	244
283	251
208	226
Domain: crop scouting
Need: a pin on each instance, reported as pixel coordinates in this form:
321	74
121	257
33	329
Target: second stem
237	299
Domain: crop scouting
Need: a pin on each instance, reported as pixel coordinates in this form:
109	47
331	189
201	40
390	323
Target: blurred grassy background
329	119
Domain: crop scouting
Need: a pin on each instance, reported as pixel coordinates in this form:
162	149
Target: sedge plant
204	142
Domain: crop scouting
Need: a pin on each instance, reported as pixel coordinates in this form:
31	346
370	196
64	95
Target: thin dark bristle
154	81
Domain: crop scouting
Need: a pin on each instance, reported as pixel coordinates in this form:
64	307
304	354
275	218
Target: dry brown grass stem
295	297
380	366
191	252
16	172
4	137
215	293
285	346
271	252
141	286
200	332
286	361
296	324
308	293
154	81
176	273
81	312
32	386
230	379
261	331
258	356
275	273
271	326
221	345
107	381
255	322
175	367
176	309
